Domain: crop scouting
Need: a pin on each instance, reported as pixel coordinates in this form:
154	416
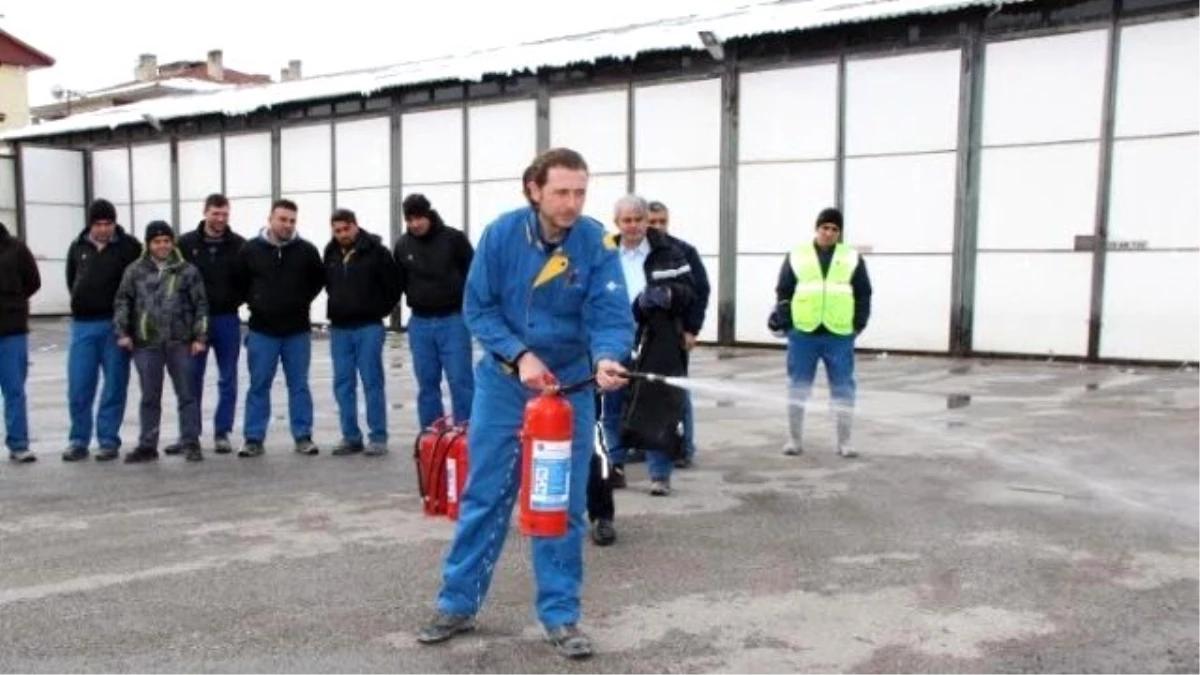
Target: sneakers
109	454
140	454
570	642
344	448
445	626
192	452
847	451
22	456
684	462
74	454
251	449
376	449
173	449
305	446
792	449
222	446
660	488
603	533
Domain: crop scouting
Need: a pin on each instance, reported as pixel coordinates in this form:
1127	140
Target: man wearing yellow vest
824	302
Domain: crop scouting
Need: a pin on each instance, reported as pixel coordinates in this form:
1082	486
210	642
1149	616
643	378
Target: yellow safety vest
823	299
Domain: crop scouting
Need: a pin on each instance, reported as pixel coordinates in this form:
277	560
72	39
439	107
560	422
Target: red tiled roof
14	52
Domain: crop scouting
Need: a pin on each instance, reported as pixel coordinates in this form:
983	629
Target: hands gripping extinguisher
546	461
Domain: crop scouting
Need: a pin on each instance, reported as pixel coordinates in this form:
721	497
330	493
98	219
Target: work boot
140	454
109	454
570	642
173	449
376	449
251	449
75	454
305	446
192	452
345	448
603	533
221	445
445	626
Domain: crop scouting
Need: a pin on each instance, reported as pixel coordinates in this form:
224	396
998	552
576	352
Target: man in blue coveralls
545	297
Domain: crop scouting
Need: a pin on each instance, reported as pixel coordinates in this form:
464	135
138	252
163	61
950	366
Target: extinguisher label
451	480
551	475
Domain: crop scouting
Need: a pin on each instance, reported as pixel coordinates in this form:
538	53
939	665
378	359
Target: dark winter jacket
362	282
215	258
433	268
859	281
161	305
19	280
279	282
666	267
693	321
93	275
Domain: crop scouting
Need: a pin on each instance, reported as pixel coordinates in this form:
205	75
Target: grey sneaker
22	456
174	449
792	449
847	451
344	448
75	454
109	454
445	626
660	488
305	446
192	452
222	446
376	449
251	449
570	642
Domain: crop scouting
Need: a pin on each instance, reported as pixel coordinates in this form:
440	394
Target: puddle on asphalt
956	401
1092	386
726	403
962	369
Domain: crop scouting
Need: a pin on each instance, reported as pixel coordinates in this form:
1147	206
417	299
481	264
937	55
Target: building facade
1021	175
16	60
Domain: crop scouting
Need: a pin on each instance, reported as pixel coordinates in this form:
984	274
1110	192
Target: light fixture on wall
712	44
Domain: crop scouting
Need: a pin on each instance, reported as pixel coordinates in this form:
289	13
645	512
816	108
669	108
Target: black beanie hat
102	209
159	228
416	205
831	216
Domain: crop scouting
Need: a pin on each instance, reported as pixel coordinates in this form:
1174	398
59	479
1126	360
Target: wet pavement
1003	516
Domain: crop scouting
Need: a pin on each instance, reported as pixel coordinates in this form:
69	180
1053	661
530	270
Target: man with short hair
161	316
96	262
546	301
20	279
280	274
823	303
659	218
363	286
213	247
433	260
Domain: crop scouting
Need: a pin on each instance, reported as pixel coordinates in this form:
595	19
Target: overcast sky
96	43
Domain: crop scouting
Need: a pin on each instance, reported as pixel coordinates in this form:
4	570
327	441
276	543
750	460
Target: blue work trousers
493	482
93	351
441	344
14	369
358	353
264	354
225	344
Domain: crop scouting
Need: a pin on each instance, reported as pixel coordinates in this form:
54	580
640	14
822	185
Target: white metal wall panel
447	199
678	126
192	212
1152	296
910	302
899	104
364	153
306	159
432	146
788	114
711	265
110	175
1158	78
146	212
693	198
1151	306
900	203
503	139
372	208
199	171
778	204
248	215
603	193
1033	303
756	279
489	200
596	125
248	166
54	214
1044	89
152	173
312	222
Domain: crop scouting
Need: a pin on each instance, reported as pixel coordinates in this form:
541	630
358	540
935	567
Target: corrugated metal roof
676	33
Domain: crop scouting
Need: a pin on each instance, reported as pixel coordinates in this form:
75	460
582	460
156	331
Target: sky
96	43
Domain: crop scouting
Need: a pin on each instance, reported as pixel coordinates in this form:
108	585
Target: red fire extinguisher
546	462
456	476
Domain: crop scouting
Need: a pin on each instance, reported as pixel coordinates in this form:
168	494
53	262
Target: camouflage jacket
160	306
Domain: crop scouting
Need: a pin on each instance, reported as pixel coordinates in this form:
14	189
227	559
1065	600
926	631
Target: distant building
152	80
16	60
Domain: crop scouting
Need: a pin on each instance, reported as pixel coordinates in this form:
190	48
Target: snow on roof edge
618	43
